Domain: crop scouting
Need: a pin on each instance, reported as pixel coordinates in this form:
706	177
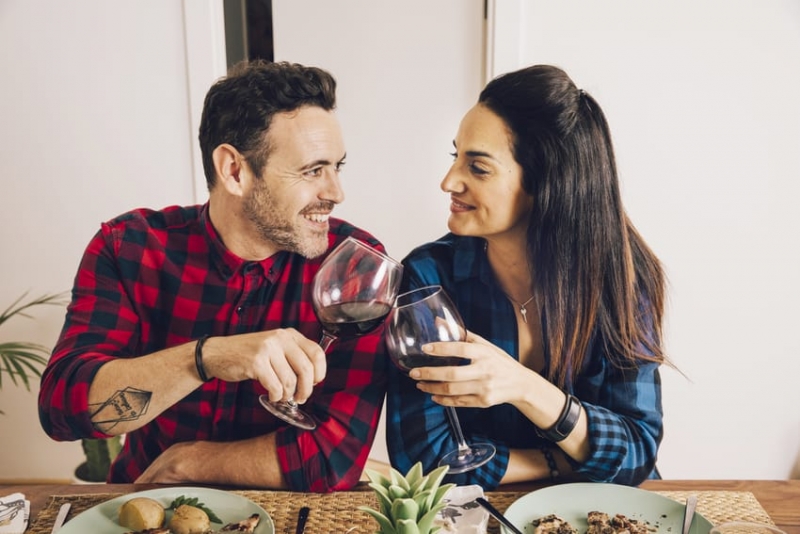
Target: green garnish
195	502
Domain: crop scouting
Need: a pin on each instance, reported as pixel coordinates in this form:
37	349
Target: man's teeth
317	217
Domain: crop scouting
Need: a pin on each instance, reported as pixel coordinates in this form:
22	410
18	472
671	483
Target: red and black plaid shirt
155	279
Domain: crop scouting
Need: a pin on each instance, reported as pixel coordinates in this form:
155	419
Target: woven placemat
338	512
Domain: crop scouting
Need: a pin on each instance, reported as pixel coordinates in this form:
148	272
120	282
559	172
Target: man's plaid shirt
155	279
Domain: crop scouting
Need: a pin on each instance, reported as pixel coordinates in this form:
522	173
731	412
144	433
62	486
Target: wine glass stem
463	448
326	340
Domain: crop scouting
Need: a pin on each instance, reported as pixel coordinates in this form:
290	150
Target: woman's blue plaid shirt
623	405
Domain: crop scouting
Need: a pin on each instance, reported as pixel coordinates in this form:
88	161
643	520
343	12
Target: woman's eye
454	155
477	169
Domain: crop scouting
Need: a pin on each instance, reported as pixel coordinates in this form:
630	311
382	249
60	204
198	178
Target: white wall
703	102
94	120
701	97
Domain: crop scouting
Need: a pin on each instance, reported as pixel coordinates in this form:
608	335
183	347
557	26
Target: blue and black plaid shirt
623	405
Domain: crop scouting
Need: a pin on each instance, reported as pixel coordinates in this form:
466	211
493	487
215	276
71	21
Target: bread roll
189	520
141	513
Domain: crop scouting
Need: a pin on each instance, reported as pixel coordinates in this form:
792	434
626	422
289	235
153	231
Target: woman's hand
493	377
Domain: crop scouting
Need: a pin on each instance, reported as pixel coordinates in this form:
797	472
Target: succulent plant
408	504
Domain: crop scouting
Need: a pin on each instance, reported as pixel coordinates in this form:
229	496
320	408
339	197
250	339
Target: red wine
411	361
353	318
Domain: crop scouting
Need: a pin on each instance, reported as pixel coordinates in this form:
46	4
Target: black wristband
565	422
198	359
551	464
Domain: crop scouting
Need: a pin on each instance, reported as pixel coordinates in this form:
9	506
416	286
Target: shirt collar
470	260
228	263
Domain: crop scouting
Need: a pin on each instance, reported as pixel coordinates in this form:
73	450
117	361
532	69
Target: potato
189	520
141	513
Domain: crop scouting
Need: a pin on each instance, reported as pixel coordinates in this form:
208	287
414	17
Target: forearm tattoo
125	405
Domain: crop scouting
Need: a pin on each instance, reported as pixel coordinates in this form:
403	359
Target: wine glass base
288	412
463	461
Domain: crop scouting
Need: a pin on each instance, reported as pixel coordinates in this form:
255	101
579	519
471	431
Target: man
181	318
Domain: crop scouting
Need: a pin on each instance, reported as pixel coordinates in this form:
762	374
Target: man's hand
174	466
284	361
246	463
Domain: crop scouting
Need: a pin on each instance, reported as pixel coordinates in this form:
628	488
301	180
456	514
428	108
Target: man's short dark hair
238	109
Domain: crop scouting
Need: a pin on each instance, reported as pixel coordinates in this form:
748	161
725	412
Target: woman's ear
229	164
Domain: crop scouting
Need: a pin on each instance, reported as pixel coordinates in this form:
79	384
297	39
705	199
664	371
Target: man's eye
340	165
454	155
313	173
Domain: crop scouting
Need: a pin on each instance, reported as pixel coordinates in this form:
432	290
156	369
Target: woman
562	299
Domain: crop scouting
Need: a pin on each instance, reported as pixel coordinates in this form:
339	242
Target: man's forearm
247	463
126	394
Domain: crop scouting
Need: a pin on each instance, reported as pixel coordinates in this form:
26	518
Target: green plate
573	501
102	519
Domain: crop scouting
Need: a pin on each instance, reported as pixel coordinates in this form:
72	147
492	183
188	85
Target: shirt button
239	310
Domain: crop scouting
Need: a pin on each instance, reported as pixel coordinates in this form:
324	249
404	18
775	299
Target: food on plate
159	530
189	520
600	523
194	501
245	525
552	524
141	513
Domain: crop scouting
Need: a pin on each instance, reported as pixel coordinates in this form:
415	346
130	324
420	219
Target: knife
688	513
302	516
62	515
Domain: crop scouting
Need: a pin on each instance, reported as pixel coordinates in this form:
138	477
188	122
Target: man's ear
230	166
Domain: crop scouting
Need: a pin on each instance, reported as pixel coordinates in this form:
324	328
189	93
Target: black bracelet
198	359
566	421
551	464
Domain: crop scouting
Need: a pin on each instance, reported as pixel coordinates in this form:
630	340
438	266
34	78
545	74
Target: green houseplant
23	361
99	454
408	504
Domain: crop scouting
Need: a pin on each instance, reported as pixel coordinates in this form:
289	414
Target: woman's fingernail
427	347
414	373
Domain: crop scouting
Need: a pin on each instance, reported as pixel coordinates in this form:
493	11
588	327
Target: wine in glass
352	293
423	316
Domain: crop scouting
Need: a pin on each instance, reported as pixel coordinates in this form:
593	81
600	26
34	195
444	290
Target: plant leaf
378	477
407	526
414	474
384	522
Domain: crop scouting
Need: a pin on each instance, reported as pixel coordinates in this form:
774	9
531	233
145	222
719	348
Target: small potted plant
99	454
408	504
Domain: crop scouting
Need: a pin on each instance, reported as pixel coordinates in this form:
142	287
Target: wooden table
780	499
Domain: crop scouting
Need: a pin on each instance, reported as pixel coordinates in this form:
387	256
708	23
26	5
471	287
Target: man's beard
261	209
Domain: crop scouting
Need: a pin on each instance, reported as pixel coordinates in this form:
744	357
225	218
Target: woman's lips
459	207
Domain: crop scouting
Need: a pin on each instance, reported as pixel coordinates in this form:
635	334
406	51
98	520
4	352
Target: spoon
688	514
497	515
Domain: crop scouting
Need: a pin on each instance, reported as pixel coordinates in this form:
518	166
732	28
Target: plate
102	519
572	502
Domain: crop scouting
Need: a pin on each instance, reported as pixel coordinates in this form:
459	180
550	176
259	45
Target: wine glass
423	316
352	293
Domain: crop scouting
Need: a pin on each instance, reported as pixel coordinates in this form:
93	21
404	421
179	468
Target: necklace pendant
524	314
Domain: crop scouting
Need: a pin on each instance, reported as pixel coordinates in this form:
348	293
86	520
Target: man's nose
333	188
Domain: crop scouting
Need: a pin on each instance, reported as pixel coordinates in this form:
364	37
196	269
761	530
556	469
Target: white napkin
463	515
14	512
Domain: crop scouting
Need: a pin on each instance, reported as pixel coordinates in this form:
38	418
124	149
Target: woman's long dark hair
592	271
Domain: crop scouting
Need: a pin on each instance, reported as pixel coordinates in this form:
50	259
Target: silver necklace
522	310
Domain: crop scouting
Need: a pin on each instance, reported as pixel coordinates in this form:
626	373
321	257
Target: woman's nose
451	183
